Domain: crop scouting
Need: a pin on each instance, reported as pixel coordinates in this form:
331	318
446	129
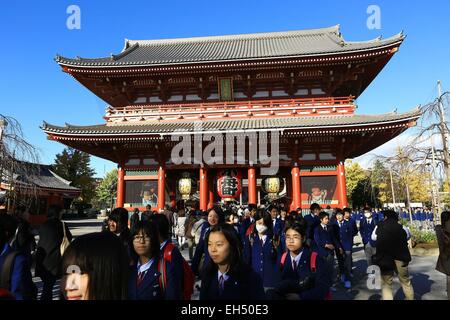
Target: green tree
380	181
74	165
365	194
354	174
107	190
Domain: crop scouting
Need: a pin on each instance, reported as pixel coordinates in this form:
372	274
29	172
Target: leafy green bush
419	236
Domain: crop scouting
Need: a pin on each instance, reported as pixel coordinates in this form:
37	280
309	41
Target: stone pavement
427	282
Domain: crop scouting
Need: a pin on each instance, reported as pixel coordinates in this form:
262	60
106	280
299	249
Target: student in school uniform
324	238
312	221
325	241
366	227
262	250
227	276
145	276
345	229
304	273
201	255
276	221
354	231
174	268
102	268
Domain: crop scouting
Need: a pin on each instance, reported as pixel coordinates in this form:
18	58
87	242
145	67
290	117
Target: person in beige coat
443	238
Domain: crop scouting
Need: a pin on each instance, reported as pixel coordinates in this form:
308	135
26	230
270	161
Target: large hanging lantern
185	186
229	184
272	186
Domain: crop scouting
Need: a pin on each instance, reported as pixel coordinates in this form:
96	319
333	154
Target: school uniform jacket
250	287
277	227
312	221
263	258
322	276
366	229
321	238
149	288
346	234
175	274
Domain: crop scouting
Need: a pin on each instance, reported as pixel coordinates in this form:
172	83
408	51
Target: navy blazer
366	229
312	221
175	275
277	227
149	289
322	237
322	276
346	234
264	259
200	250
22	286
250	287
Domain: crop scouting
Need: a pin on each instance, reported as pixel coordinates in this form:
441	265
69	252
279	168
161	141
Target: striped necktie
140	278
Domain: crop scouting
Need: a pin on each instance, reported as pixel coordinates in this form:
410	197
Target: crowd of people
237	253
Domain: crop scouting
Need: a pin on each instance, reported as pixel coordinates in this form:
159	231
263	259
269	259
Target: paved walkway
427	282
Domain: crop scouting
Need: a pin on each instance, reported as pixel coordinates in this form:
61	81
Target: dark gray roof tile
232	47
298	122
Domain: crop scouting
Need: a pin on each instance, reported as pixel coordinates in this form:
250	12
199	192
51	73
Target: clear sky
33	89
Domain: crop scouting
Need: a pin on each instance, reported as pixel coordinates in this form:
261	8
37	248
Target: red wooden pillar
173	185
342	185
289	194
120	187
161	187
204	192
252	186
296	197
211	198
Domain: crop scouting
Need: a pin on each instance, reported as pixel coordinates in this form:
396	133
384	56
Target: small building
37	187
207	119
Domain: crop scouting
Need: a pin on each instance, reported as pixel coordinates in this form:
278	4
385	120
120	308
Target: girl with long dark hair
95	267
201	255
227	276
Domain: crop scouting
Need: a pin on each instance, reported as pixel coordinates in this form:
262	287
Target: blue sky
33	88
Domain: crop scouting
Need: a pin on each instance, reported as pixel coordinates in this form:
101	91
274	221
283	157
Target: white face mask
261	228
367	215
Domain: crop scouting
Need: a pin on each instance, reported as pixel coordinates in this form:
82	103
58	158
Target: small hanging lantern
185	186
272	186
229	184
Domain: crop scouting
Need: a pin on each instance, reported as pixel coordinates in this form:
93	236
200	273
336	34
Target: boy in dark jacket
392	255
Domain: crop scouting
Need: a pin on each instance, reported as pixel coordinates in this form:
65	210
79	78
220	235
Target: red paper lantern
229	184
